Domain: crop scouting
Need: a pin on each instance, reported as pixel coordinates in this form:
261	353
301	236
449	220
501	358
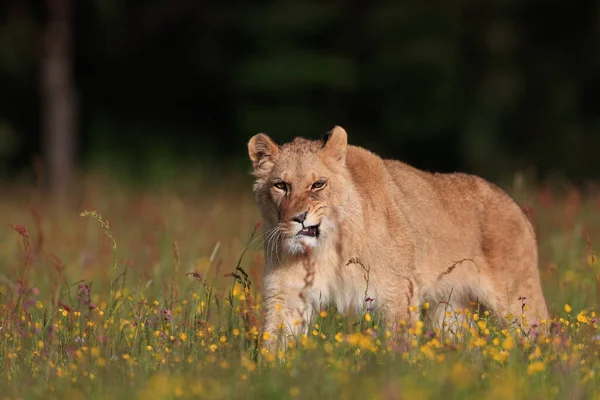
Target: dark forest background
144	88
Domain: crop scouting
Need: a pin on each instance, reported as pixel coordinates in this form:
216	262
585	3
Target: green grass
166	314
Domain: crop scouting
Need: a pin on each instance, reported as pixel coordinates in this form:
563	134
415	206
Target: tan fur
446	239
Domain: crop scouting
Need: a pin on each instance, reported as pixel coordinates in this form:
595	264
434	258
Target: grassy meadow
150	295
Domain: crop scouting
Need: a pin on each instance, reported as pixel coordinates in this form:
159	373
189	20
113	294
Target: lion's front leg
401	310
287	313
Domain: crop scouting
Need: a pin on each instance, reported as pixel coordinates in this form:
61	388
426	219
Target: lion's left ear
262	151
336	143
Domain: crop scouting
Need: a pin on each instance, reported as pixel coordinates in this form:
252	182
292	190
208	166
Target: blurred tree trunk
59	103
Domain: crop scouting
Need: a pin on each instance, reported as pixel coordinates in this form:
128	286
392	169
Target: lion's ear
336	142
262	151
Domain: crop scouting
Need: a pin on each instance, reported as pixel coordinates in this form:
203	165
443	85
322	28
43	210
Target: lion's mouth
310	231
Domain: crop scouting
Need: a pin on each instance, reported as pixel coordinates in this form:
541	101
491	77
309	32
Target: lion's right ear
263	151
336	143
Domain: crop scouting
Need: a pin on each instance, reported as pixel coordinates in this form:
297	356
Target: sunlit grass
153	299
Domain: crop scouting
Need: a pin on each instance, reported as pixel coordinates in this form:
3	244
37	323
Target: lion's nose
300	218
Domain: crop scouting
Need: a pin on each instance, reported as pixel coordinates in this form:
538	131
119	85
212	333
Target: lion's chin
299	245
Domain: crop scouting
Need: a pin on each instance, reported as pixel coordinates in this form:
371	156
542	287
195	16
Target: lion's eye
318	185
280	185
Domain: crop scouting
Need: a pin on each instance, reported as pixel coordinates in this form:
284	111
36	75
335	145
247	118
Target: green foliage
487	87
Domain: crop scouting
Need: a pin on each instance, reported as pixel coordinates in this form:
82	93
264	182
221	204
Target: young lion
344	226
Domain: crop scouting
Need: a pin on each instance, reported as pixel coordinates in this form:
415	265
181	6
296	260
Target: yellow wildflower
568	308
508	343
536	367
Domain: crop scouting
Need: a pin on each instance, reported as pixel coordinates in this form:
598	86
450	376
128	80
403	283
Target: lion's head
299	188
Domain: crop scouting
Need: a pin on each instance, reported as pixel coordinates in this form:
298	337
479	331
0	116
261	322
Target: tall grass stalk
105	224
